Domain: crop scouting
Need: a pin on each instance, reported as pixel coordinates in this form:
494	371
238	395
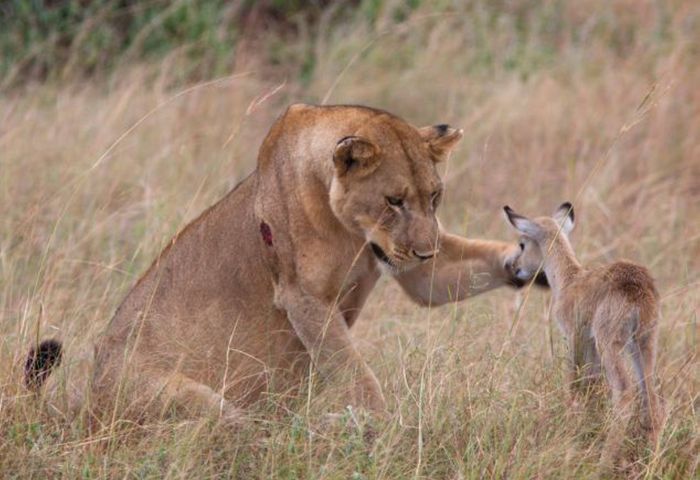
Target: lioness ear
441	139
355	154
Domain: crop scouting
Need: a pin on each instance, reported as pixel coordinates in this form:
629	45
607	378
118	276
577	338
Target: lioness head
386	187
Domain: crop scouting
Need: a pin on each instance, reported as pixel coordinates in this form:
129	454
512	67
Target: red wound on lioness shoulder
266	233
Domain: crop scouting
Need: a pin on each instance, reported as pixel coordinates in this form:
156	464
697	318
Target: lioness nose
425	255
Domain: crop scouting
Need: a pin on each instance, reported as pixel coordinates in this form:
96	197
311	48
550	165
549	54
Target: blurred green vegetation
42	39
59	39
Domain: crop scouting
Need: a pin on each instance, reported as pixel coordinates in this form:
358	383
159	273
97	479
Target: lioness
273	276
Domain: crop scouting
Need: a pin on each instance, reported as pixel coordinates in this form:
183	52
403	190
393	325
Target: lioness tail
40	361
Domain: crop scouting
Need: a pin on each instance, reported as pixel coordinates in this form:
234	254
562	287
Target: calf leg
622	399
584	367
644	357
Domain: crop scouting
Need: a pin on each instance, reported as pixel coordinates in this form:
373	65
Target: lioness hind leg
176	389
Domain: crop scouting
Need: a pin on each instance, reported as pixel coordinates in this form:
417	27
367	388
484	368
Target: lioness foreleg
324	333
462	268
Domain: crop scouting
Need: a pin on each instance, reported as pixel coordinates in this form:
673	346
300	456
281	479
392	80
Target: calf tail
643	377
40	362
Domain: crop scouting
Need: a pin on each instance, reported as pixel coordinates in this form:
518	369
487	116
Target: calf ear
355	155
564	216
522	224
441	139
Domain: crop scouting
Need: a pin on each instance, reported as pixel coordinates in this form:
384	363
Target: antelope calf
608	315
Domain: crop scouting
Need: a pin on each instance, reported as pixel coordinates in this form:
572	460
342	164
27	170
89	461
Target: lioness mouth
379	253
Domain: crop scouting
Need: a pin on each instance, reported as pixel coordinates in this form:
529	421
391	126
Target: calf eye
435	198
395	201
522	247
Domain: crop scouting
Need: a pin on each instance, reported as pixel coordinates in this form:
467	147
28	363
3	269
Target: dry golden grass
600	106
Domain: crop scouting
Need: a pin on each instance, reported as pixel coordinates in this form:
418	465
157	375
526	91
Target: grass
97	174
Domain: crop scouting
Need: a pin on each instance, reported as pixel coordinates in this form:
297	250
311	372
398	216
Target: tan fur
607	313
272	276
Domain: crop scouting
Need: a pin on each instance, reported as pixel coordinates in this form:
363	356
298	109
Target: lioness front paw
367	394
353	421
231	416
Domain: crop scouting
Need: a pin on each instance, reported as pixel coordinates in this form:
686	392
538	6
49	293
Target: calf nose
425	255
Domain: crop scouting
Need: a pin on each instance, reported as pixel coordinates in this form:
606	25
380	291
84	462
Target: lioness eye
394	201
